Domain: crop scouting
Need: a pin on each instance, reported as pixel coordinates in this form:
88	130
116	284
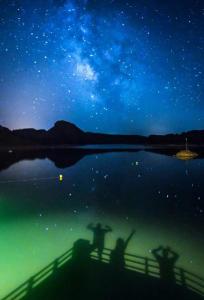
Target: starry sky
108	66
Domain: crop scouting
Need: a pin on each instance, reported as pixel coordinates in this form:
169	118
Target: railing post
146	266
183	279
55	265
30	284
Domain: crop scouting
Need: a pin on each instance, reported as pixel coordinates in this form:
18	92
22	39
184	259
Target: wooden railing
26	287
150	267
140	264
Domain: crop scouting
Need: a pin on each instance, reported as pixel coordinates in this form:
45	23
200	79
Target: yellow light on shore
60	177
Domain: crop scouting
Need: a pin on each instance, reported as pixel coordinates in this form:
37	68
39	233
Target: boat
186	154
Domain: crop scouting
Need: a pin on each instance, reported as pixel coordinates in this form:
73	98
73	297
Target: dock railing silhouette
149	267
143	265
26	287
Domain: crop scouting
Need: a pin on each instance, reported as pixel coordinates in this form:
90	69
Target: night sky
108	66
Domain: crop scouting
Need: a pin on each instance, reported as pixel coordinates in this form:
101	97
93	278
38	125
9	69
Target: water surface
40	217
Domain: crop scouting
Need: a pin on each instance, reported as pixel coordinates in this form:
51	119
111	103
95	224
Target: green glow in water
28	245
40	221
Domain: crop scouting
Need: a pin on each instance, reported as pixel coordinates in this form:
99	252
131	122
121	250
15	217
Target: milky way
111	66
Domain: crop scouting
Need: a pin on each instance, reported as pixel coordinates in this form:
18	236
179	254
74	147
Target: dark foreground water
40	217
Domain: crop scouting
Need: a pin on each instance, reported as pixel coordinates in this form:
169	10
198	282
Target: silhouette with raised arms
166	259
99	237
117	256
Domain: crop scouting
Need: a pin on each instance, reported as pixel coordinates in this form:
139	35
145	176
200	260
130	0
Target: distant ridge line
66	133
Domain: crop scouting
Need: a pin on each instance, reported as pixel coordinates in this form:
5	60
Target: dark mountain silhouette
194	137
7	137
65	133
62	133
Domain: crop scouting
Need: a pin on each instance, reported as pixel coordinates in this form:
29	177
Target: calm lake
40	216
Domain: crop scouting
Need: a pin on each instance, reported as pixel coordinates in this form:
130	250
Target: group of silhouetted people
165	257
117	254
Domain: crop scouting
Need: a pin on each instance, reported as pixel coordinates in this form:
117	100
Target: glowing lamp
60	177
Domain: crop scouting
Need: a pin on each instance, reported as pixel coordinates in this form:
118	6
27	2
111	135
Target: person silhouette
117	259
99	237
166	259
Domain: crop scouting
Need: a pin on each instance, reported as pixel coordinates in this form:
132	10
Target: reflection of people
117	258
99	237
166	259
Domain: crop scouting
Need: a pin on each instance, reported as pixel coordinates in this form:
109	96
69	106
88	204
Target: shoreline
100	147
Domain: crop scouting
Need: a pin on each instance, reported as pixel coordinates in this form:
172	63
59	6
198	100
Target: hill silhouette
66	133
62	133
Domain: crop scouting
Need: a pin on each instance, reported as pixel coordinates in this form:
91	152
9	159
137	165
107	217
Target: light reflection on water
160	197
